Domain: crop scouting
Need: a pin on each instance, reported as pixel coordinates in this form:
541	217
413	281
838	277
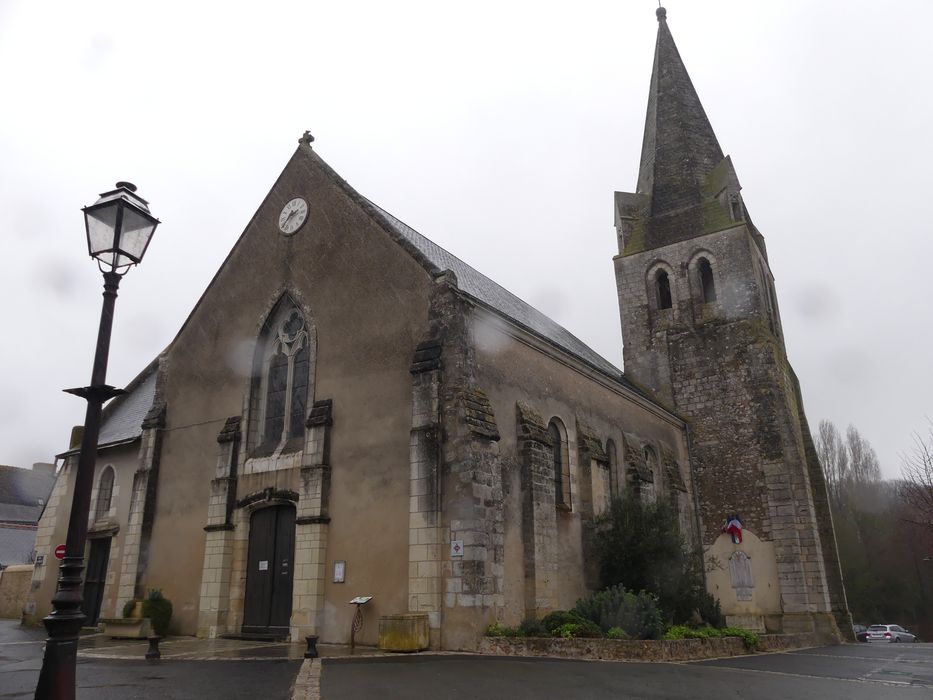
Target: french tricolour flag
734	527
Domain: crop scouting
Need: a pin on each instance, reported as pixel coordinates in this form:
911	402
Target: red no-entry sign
60	551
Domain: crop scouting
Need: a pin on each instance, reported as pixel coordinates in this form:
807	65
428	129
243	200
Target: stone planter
127	627
407	632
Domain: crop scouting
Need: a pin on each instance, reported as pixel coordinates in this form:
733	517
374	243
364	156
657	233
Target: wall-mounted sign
456	548
40	559
60	551
264	565
340	571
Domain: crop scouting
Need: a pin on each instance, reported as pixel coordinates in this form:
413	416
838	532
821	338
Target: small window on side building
104	494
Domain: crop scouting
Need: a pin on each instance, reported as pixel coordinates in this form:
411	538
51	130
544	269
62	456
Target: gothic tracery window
283	391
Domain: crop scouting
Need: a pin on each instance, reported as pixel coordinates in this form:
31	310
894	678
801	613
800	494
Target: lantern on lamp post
119	228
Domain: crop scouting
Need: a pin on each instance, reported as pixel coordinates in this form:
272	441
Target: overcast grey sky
497	129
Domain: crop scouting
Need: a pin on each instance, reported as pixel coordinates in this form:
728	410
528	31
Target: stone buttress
456	532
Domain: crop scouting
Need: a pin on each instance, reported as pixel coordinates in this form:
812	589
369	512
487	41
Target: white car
889	633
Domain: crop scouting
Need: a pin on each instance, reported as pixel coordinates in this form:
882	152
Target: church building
350	410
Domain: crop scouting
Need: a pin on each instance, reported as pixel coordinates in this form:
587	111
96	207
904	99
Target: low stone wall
14	587
639	650
784	642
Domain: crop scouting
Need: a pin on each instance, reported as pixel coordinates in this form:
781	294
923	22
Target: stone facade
445	450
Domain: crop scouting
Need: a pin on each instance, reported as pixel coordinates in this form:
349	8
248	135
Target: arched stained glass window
285	379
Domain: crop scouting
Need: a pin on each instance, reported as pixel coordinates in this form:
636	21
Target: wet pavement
852	672
189	669
197	669
891	664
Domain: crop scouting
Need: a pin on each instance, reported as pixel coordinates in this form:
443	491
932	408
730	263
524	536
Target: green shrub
557	618
638	614
499	630
676	632
749	639
616	633
534	628
158	609
708	607
684	632
128	607
581	629
496	630
639	546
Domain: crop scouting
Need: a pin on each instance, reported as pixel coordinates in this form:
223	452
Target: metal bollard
311	651
153	651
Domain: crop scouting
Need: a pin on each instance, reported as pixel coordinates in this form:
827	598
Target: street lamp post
119	228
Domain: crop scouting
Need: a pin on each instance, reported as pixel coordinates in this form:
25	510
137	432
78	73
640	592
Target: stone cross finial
306	138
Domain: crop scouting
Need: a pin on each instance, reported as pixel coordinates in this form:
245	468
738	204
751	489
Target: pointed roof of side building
679	149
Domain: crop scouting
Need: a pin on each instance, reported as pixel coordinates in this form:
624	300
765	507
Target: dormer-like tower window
735	208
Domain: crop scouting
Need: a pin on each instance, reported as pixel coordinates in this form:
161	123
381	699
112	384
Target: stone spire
679	149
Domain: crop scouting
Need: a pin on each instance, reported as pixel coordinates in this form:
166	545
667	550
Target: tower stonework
702	332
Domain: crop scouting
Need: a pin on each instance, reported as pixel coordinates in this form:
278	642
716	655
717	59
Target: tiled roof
492	295
124	420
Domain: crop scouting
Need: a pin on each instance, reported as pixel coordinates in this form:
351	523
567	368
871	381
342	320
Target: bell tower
702	333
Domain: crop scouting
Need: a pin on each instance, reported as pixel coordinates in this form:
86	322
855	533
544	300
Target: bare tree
850	465
916	487
863	460
834	458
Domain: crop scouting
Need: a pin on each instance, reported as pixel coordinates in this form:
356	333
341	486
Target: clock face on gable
293	216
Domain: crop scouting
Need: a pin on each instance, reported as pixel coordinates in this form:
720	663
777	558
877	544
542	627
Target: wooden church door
268	604
95	579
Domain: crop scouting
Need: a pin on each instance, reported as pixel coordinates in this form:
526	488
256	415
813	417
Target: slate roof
23	494
499	299
123	421
16	545
19	513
